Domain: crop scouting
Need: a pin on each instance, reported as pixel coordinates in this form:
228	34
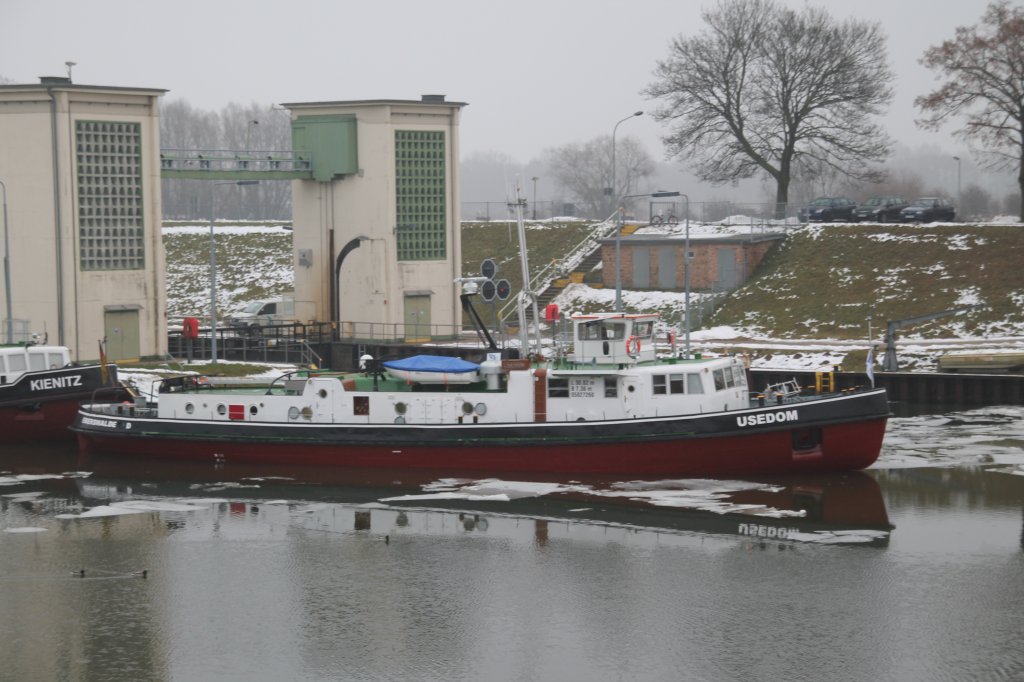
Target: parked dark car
828	209
881	209
928	210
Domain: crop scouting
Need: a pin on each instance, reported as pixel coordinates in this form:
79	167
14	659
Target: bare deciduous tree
983	68
976	203
186	128
584	171
764	88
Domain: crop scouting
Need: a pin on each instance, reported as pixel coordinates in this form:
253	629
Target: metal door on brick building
728	278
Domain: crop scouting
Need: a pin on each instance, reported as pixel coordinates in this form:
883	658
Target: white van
263	313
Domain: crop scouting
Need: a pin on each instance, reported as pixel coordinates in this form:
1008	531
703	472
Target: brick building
656	261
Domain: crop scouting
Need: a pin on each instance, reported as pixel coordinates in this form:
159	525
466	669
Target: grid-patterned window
110	215
420	194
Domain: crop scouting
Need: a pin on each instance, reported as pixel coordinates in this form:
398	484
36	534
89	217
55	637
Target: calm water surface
913	570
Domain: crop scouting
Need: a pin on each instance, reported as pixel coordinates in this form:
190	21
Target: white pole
213	283
686	275
7	271
618	230
527	291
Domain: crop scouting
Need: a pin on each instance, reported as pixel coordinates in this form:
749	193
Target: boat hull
40	406
832	434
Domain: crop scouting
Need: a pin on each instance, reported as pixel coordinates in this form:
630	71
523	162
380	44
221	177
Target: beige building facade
81	166
376	230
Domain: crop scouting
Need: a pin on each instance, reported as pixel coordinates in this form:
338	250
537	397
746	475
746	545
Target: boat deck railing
121	409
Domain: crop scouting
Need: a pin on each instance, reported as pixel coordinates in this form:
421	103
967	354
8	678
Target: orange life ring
633	343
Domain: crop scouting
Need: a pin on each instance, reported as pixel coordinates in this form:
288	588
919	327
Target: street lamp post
686	275
614	195
959	204
248	134
618	260
686	265
618	228
535	178
7	271
213	265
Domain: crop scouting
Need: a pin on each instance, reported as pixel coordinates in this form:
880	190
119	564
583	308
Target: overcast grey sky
535	73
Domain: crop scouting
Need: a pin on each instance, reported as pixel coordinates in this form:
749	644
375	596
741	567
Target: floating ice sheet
132	507
25	530
981	437
698	494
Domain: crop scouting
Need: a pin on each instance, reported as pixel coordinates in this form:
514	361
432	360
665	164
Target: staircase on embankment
571	269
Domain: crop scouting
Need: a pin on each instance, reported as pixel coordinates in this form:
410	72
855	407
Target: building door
641	268
121	328
630	395
727	277
667	268
417	318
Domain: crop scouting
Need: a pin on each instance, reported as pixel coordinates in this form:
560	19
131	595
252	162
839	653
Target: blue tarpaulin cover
432	363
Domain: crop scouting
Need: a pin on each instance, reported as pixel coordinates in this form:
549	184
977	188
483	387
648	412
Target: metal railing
294	343
234	160
288	344
561	267
20	330
755	213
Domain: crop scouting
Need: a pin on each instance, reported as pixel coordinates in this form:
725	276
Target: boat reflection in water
836	509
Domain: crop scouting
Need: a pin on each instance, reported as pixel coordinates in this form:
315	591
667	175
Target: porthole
467	408
480	409
322	393
401	408
189	408
293	413
253	410
222	409
307	412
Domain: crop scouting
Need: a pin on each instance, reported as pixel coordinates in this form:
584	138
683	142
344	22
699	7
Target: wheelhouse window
643	330
728	377
676	384
614	332
720	379
558	387
601	331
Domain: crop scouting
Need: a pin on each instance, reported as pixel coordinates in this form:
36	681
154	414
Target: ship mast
526	293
